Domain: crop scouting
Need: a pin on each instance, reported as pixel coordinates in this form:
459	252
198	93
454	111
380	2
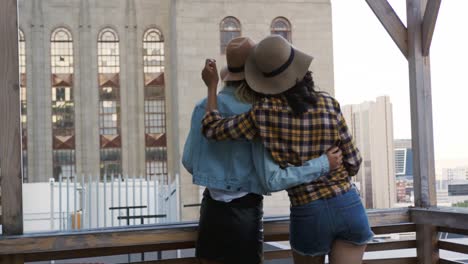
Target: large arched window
281	26
230	28
23	98
155	106
109	103
63	106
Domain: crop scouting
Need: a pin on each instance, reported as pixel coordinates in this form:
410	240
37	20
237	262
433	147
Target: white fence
87	203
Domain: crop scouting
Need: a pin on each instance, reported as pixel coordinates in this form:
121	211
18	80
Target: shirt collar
228	90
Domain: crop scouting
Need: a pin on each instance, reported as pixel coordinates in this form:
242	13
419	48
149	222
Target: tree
461	204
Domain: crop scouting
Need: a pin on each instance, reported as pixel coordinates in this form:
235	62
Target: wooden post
422	129
416	41
421	109
10	133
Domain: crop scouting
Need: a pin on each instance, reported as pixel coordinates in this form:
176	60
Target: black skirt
231	232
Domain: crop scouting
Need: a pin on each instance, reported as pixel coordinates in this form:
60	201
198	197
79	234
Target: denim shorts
314	226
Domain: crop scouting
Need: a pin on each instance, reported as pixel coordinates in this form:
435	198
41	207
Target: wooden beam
12	259
453	230
396	228
410	260
381	217
429	22
421	110
391	22
10	132
278	254
453	218
123	240
101	252
282	255
455	247
446	261
391	245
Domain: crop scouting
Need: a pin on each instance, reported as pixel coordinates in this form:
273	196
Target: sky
369	64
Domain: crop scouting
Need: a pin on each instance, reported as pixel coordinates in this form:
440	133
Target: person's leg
209	246
230	233
245	231
300	259
311	235
346	253
352	227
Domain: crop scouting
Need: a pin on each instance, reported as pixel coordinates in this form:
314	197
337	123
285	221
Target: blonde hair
244	93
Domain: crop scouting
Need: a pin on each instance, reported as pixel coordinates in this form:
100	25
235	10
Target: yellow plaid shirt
294	139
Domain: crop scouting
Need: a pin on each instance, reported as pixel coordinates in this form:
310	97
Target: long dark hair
302	95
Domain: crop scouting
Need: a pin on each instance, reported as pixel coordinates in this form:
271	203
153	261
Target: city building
108	86
371	124
404	170
455	174
458	189
403	159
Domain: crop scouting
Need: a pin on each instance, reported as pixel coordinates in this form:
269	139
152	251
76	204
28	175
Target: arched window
281	26
155	106
23	98
63	106
109	103
230	28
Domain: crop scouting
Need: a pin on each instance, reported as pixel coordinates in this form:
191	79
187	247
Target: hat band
282	68
236	69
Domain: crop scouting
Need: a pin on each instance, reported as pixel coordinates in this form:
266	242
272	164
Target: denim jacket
240	165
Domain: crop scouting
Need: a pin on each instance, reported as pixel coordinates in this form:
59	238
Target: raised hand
210	74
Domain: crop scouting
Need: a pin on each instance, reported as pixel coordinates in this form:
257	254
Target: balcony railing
414	41
151	238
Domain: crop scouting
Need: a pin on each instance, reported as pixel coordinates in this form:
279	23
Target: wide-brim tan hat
233	76
237	52
275	66
223	72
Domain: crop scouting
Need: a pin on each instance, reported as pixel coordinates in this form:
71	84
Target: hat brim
281	82
234	76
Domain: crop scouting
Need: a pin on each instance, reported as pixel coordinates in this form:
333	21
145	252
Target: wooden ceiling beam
429	22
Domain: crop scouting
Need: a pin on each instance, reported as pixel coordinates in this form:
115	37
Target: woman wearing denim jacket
296	123
237	174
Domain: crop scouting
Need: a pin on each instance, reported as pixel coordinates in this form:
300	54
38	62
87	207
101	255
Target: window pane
63	107
230	28
281	26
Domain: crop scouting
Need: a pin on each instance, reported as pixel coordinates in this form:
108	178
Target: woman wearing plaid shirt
296	124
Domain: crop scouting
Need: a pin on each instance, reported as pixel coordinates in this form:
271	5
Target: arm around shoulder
274	178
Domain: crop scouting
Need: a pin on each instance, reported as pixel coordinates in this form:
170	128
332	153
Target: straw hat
237	52
275	66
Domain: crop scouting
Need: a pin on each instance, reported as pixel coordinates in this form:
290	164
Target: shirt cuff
211	116
324	164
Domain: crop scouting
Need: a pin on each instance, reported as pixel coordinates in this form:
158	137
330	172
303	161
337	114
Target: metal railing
87	202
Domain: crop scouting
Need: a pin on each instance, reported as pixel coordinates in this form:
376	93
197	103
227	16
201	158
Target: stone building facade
150	57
